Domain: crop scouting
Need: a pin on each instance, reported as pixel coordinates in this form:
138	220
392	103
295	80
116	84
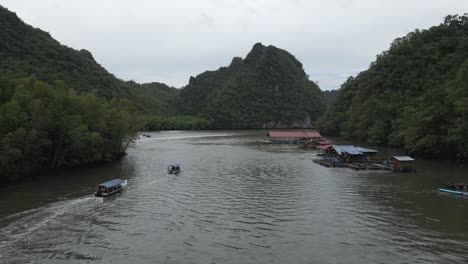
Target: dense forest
46	126
267	89
415	95
330	96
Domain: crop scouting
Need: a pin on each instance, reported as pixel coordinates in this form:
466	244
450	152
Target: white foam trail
40	217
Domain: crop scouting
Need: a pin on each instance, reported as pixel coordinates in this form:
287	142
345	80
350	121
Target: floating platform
355	166
327	163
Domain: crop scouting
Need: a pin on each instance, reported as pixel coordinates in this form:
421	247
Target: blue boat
452	191
110	187
174	168
455	188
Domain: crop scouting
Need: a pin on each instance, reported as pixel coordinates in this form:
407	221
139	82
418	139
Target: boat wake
32	224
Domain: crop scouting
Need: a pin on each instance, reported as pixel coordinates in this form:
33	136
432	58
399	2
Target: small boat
458	189
267	142
452	191
174	168
110	187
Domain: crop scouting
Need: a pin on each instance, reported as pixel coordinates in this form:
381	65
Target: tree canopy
414	95
44	126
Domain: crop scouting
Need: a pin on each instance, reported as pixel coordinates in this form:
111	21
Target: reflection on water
234	202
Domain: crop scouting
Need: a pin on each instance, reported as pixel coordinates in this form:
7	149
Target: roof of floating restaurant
112	183
352	150
324	147
294	134
365	150
403	158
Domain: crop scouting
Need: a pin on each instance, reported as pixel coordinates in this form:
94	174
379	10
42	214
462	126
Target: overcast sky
169	41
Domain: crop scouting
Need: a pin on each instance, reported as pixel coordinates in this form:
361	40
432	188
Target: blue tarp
112	183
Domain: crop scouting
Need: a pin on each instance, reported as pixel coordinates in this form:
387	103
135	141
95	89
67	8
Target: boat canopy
403	158
112	183
175	164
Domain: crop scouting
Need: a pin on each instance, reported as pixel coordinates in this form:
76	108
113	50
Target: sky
169	41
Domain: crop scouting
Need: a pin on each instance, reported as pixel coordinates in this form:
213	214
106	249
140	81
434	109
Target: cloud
169	41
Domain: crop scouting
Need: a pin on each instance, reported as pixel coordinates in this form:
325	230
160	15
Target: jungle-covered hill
414	95
268	88
58	107
26	51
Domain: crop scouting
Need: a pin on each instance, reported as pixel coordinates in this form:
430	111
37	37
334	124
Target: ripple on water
238	203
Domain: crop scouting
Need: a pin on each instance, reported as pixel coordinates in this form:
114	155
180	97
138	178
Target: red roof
294	134
324	147
314	134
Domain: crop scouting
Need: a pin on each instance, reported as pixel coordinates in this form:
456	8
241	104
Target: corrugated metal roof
366	150
294	134
314	134
325	147
347	149
403	158
352	150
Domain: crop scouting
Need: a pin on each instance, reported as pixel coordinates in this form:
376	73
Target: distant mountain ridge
26	51
267	89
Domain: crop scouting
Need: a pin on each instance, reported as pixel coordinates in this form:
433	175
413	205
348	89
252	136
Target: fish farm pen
358	158
355	166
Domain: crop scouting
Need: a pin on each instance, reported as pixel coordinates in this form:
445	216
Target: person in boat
457	186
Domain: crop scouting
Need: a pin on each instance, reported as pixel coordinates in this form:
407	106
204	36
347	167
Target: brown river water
235	202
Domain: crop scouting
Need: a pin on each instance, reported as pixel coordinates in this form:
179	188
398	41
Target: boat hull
174	172
452	191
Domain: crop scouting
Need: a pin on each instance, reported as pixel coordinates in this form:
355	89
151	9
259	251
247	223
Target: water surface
234	202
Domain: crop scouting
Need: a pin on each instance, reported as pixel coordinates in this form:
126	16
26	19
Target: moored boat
110	187
174	168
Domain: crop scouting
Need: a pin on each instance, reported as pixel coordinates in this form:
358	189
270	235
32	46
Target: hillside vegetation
26	51
414	95
267	89
45	126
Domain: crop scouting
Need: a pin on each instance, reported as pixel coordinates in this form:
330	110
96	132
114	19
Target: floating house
350	154
402	163
293	137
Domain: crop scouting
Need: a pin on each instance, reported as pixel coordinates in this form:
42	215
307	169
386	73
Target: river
234	202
